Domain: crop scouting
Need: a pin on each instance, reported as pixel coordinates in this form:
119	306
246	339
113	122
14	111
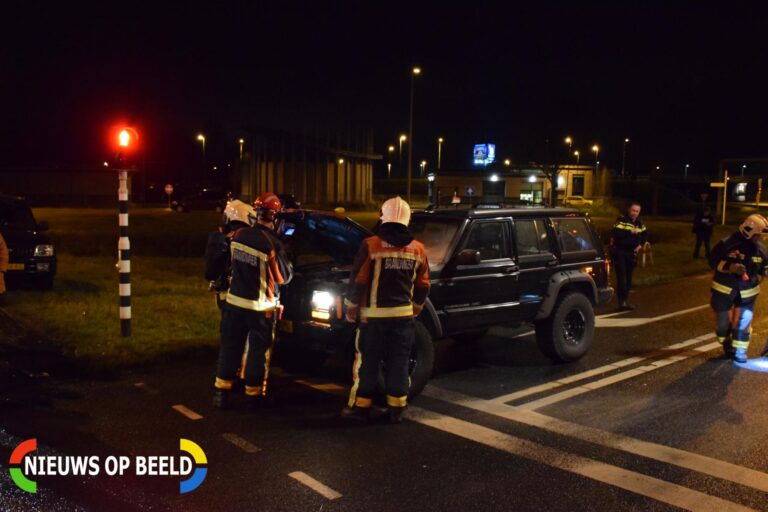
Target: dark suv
32	258
488	266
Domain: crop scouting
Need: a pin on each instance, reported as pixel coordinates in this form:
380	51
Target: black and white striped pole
124	262
126	147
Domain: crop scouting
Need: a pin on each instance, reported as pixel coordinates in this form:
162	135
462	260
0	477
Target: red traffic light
125	138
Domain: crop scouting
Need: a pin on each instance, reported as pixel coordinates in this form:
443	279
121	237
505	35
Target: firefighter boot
740	356
356	413
221	398
396	415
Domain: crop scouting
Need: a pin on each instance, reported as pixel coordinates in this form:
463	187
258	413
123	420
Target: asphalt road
651	419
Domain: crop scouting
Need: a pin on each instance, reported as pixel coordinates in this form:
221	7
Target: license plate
285	326
15	266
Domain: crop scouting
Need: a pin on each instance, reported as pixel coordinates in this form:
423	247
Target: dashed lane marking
688	460
635	322
613	379
146	388
638	483
548	386
315	485
186	411
240	442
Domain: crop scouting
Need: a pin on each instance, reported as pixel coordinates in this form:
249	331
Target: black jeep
32	257
488	266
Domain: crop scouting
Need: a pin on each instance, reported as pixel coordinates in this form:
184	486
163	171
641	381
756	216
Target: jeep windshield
16	217
436	234
312	238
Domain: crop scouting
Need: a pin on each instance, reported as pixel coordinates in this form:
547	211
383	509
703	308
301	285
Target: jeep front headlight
44	250
322	301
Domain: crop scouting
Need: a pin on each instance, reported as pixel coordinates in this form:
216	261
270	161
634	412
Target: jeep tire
567	333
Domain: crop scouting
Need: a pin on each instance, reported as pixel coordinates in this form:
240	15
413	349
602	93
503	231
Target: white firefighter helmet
238	211
396	210
753	225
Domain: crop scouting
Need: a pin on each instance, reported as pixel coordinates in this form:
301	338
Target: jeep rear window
573	234
436	235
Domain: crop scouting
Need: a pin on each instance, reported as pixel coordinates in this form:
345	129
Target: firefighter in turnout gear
739	262
259	267
629	236
388	286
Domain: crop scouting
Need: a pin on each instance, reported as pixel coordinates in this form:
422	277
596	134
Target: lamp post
241	141
624	157
414	73
390	150
742	169
201	138
439	152
423	166
686	170
596	149
569	141
403	138
576	154
507	162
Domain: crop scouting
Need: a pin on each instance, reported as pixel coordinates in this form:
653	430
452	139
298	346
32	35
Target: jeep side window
488	238
531	237
573	234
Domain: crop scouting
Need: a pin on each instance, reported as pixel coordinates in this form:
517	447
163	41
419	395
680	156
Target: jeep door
482	294
537	261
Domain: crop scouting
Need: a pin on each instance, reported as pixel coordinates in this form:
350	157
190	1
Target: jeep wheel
567	334
420	364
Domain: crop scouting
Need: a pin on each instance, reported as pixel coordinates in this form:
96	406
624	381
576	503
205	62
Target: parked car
489	266
32	255
577	201
214	199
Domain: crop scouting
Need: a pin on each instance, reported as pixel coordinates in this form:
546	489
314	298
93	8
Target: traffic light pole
124	257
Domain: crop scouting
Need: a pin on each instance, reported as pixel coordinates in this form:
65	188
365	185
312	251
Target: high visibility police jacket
730	251
622	237
259	266
390	274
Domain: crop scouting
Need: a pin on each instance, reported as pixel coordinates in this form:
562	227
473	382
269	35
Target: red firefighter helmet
267	206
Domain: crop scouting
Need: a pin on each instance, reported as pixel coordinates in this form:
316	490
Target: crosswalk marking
186	411
315	485
240	442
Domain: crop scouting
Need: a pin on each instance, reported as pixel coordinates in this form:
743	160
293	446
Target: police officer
629	235
740	262
259	266
388	286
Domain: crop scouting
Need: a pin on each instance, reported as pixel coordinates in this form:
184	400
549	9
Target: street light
624	156
201	138
507	162
415	72
742	169
439	152
569	141
576	154
423	166
596	149
686	170
341	161
241	141
403	138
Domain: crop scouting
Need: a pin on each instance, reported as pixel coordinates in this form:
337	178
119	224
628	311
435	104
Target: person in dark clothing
740	262
702	228
388	286
259	266
629	235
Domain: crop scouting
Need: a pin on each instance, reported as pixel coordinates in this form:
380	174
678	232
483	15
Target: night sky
686	83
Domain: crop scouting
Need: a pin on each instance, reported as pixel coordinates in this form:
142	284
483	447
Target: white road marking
316	486
189	413
634	322
240	442
638	483
596	371
613	379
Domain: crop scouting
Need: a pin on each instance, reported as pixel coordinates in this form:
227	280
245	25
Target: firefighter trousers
237	326
388	341
734	316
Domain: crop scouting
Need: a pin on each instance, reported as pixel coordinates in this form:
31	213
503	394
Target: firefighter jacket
259	266
217	254
737	249
390	274
622	237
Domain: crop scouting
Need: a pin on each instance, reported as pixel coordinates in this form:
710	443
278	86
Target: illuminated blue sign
484	154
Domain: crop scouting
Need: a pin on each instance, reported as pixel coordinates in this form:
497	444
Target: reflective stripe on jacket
738	250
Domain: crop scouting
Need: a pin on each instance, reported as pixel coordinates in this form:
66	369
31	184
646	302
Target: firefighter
739	263
237	215
388	286
629	235
259	267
